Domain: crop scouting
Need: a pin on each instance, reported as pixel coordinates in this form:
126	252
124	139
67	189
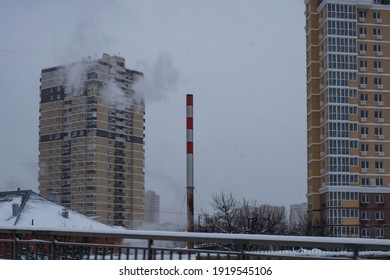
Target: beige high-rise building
91	140
152	207
348	117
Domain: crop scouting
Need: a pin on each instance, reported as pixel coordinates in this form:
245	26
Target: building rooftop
28	210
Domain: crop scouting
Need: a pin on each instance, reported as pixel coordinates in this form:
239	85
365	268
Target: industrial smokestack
190	166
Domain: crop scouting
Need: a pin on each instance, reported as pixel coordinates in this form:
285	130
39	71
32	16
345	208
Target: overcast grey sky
244	61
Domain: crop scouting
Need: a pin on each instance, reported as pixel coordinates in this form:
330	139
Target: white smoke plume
161	78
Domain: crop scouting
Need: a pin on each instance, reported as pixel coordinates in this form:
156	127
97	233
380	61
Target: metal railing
163	245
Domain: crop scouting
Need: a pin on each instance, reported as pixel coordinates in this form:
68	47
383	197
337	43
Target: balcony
119	186
119	145
119	201
120	153
119	217
119	192
119	169
119	177
119	161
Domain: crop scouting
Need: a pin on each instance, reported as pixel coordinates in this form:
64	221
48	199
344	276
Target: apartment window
364	97
362	14
379	233
91	180
91	155
377	48
376	32
378	97
378	81
363	31
365	164
364	130
365	232
365	198
378	148
363	47
378	164
363	64
376	15
365	181
364	147
378	114
378	182
363	80
379	215
378	131
365	215
92	75
364	114
379	198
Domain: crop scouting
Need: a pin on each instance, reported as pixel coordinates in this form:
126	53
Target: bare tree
233	216
225	206
302	227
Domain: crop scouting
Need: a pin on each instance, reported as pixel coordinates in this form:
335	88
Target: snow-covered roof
36	212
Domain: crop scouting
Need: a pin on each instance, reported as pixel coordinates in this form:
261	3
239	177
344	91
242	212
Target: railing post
14	253
150	251
52	248
241	249
355	253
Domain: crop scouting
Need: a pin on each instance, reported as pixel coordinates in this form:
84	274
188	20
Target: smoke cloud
161	78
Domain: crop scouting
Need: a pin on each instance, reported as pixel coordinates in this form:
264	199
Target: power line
31	54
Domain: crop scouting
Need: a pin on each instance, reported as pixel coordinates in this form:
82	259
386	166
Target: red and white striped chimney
190	164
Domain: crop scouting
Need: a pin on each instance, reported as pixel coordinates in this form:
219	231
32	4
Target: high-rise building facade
152	207
91	140
348	117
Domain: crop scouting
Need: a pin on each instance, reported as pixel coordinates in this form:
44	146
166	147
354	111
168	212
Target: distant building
297	213
348	117
152	207
91	140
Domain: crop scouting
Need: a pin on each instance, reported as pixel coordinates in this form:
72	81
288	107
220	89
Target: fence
163	245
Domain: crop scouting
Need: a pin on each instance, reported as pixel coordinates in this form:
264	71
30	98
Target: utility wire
31	54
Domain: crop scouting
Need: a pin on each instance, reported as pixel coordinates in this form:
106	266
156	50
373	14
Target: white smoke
74	75
161	79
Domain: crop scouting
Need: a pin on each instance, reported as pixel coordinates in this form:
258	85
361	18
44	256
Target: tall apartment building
152	207
348	117
91	140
